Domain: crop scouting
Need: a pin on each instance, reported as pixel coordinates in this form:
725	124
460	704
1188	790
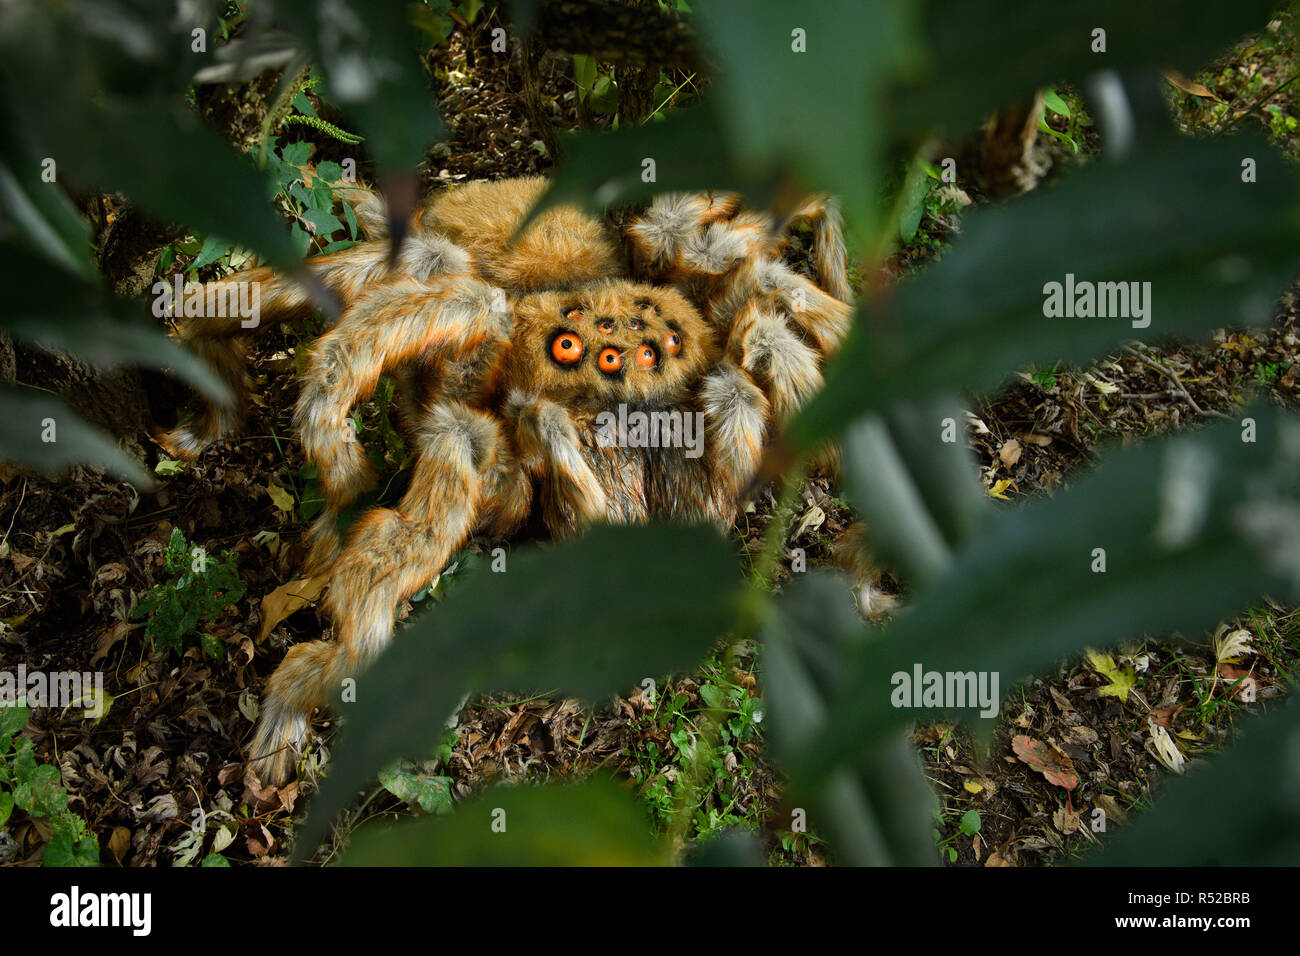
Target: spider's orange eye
605	325
566	348
611	360
672	343
575	314
645	356
633	324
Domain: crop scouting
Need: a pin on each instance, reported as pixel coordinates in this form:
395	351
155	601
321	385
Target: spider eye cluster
568	347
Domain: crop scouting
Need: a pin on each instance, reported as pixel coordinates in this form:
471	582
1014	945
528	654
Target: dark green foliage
37	790
201	588
823	97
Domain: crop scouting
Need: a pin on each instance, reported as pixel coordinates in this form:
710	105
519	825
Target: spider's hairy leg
562	247
816	315
659	238
219	331
829	254
445	320
779	361
736	415
550	448
391	553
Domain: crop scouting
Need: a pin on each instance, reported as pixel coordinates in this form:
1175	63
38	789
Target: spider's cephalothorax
573	372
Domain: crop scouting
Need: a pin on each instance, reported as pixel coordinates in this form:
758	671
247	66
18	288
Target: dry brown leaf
118	843
288	598
1065	820
1010	452
110	637
1081	736
1111	807
1048	759
1191	86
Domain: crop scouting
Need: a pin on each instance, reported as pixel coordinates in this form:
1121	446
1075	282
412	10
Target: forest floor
159	778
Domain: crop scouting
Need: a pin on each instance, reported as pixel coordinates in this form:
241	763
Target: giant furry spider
512	359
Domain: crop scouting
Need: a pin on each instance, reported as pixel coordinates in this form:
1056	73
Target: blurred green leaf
1191	528
1215	250
47	307
27	417
101	95
685	152
986	54
910	474
732	848
593	823
577	617
368	52
877	808
47	220
1240	809
800	89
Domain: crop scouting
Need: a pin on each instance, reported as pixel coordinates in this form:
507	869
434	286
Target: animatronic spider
514	358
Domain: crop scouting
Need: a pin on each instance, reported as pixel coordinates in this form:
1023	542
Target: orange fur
506	419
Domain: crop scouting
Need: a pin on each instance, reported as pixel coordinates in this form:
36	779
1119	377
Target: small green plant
968	826
1045	377
199	588
1267	373
420	785
923	206
37	790
1281	124
306	116
1053	102
729	761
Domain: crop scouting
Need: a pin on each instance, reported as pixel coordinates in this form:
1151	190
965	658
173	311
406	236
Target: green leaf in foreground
54	310
32	417
593	823
876	810
369	54
1204	248
986	53
1239	809
800	89
588	617
1167	537
910	474
684	152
